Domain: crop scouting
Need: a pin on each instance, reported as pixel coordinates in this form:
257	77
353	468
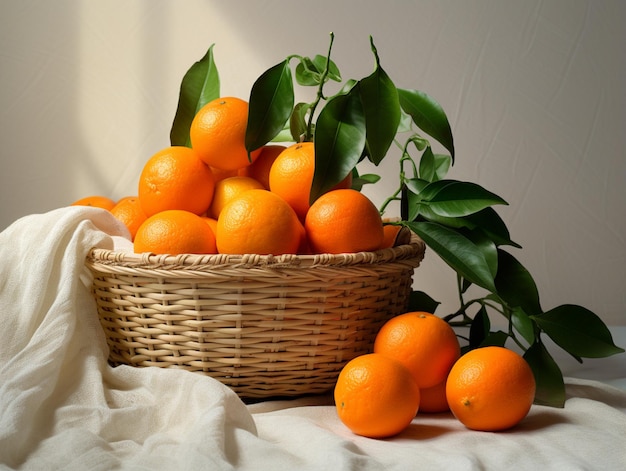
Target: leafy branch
455	219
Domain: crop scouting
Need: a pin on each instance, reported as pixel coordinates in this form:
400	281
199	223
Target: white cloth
63	407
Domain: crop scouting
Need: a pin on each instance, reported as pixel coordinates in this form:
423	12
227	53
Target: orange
175	231
395	235
260	168
229	188
175	178
96	201
211	222
220	174
423	342
218	133
258	221
291	176
490	389
128	210
343	220
376	396
434	399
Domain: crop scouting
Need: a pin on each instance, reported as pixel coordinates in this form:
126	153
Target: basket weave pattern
263	325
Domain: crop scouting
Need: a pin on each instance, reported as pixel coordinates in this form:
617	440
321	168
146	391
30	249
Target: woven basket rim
412	253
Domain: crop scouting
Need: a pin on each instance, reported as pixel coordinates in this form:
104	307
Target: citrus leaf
382	112
420	301
460	253
578	331
333	71
451	198
270	105
297	121
339	141
311	72
200	85
486	246
523	324
424	211
306	73
497	339
479	330
515	285
548	377
359	180
428	115
433	167
492	224
406	122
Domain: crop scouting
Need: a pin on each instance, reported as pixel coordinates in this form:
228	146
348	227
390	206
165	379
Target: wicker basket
266	326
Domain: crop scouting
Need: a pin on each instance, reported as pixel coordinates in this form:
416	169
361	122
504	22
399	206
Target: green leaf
406	122
359	180
420	301
297	121
311	72
578	331
307	73
486	246
428	115
460	253
492	224
423	210
523	324
433	167
333	71
271	103
452	198
339	141
200	85
382	111
515	285
497	339
479	330
548	377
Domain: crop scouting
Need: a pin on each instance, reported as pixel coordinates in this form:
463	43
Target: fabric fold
60	402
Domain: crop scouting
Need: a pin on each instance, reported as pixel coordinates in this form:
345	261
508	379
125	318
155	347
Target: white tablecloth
63	407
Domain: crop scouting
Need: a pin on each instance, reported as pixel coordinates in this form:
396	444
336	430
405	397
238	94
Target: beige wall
534	91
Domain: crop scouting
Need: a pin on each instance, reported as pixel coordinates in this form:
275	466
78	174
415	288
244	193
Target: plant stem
320	94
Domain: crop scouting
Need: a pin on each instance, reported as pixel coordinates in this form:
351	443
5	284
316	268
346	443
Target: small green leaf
433	167
270	105
307	73
515	285
429	116
297	121
200	85
420	301
406	122
523	324
479	330
339	141
416	185
460	253
311	72
578	331
366	179
548	377
497	339
451	198
333	71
